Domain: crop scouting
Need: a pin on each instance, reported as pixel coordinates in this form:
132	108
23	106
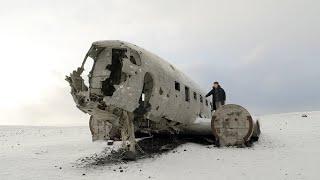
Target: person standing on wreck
218	96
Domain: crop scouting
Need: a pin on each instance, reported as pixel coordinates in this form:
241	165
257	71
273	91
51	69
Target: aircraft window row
187	94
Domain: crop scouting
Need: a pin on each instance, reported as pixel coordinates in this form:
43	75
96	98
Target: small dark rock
60	167
110	143
121	170
184	150
304	115
83	174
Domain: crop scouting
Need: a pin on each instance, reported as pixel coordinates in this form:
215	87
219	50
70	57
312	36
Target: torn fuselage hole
147	87
144	105
177	85
116	75
135	58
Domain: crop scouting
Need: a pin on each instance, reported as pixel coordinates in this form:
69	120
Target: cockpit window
88	63
87	70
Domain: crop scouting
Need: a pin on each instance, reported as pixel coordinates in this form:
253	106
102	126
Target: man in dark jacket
218	96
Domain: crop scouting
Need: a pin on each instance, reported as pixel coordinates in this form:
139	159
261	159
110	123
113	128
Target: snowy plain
289	148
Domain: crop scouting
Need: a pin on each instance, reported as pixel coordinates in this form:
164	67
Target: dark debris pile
146	148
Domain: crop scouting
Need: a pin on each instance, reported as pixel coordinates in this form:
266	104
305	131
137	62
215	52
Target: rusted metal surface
232	125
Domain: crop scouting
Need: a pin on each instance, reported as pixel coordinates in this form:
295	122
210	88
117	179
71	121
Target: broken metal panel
130	63
102	129
127	94
101	63
130	69
96	82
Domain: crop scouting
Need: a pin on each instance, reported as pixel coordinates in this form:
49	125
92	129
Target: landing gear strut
127	135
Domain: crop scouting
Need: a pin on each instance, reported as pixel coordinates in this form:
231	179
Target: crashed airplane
131	90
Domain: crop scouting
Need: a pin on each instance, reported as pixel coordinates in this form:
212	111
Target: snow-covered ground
289	148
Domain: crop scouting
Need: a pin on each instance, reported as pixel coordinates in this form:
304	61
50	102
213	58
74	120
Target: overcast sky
264	53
